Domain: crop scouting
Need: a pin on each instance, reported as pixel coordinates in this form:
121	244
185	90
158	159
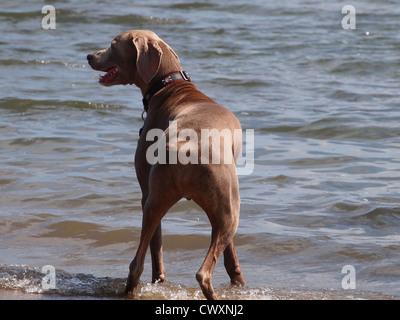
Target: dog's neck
163	82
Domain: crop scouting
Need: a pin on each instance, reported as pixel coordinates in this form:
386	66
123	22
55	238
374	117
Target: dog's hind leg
221	236
161	197
222	206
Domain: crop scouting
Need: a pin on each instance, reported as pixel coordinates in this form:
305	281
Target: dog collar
168	79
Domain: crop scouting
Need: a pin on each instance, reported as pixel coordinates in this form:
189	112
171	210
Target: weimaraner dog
140	57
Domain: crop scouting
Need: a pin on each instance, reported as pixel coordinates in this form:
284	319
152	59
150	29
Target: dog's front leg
158	273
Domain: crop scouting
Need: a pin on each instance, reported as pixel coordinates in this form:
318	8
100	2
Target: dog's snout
89	56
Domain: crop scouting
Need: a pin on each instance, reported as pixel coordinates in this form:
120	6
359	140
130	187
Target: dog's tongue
109	76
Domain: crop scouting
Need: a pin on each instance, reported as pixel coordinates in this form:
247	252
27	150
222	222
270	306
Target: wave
23	105
29	280
383	219
336	130
25	282
138	21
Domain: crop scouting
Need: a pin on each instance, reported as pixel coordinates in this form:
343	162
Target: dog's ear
149	55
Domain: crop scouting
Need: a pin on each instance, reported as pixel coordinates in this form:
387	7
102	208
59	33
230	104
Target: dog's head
134	57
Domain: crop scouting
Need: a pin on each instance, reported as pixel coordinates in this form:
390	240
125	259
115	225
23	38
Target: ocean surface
324	105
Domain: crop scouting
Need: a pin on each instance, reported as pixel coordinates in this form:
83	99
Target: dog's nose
88	56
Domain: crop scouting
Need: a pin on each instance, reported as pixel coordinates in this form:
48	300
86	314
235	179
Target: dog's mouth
111	74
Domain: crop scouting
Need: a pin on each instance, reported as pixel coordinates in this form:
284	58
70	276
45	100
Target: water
323	102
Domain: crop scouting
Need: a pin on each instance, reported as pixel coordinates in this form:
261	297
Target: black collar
169	78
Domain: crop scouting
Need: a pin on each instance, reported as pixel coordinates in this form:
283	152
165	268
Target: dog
141	58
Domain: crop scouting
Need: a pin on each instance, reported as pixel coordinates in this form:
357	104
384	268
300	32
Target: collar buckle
184	75
169	78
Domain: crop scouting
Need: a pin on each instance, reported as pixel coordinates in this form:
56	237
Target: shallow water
323	103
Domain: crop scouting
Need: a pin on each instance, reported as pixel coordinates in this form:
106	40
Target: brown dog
176	108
